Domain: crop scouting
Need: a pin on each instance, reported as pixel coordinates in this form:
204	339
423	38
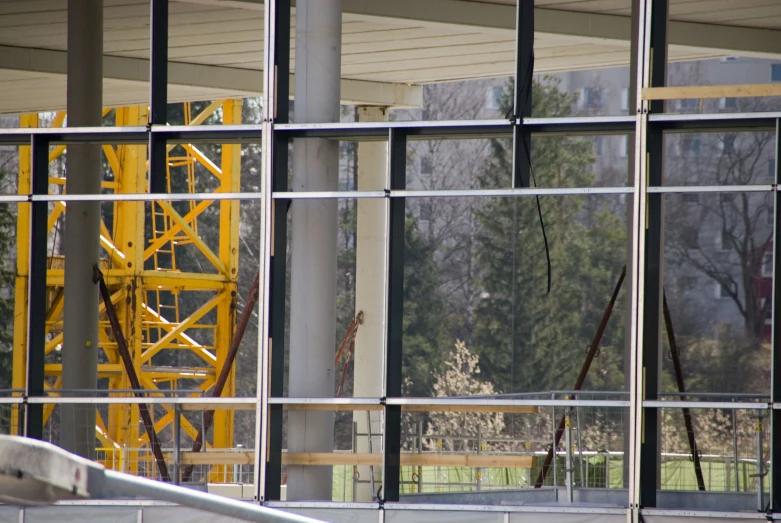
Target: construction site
361	260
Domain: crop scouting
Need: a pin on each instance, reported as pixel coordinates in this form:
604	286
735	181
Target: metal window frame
648	127
158	95
654	74
36	290
775	340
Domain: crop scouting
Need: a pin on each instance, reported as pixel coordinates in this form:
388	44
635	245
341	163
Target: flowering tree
460	376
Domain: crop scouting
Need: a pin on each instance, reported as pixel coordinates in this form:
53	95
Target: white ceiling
216	46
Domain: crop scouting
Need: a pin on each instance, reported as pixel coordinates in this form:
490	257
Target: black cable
528	81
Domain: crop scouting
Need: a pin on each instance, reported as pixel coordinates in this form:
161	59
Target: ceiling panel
35	91
396	50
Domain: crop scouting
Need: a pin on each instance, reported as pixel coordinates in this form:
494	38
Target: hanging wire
528	82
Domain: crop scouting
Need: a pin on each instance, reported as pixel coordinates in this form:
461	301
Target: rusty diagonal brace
124	353
674	355
219	385
592	352
687	417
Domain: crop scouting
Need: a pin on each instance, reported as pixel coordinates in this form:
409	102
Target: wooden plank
711	91
467	460
486	409
427	407
246	457
332	458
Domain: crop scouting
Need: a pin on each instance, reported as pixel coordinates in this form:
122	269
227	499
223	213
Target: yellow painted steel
147	286
19	365
229	258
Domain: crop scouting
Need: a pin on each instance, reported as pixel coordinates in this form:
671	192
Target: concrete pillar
314	240
370	293
82	223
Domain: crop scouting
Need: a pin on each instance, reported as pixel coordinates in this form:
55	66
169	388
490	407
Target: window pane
775	73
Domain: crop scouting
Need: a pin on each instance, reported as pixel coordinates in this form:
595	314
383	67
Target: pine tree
527	339
426	324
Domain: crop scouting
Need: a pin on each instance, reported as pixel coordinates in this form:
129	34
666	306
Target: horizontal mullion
582	125
14	198
466	402
325	195
704	514
760	121
404	402
556	509
710	188
451	193
726	405
449	402
143	197
218	133
449	507
324	401
131	400
532	191
328	195
323	504
715	122
380	130
61	135
460	128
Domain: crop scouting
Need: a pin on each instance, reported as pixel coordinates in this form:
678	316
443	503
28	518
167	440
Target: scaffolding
146	285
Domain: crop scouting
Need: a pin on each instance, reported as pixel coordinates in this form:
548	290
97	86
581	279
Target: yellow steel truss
147	299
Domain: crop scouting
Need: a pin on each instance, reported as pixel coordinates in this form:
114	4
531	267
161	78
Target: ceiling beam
229	81
729	39
732	40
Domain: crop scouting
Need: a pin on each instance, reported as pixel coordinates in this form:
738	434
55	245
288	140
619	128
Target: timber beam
350	458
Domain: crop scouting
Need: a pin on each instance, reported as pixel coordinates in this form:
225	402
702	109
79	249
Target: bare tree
723	236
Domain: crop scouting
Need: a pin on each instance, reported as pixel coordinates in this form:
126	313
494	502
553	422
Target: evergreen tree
527	339
426	324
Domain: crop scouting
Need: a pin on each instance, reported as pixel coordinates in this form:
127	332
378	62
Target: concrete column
370	293
314	241
82	223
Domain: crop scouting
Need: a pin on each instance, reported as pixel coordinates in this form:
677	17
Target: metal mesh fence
733	448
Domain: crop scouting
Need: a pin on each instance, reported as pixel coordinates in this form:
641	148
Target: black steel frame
391	471
158	106
36	293
650	119
650	453
775	416
278	272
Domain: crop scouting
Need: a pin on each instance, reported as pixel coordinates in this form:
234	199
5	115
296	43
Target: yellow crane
146	285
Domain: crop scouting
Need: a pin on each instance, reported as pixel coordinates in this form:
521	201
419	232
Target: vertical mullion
641	16
775	435
277	93
36	313
522	99
650	466
397	165
158	80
